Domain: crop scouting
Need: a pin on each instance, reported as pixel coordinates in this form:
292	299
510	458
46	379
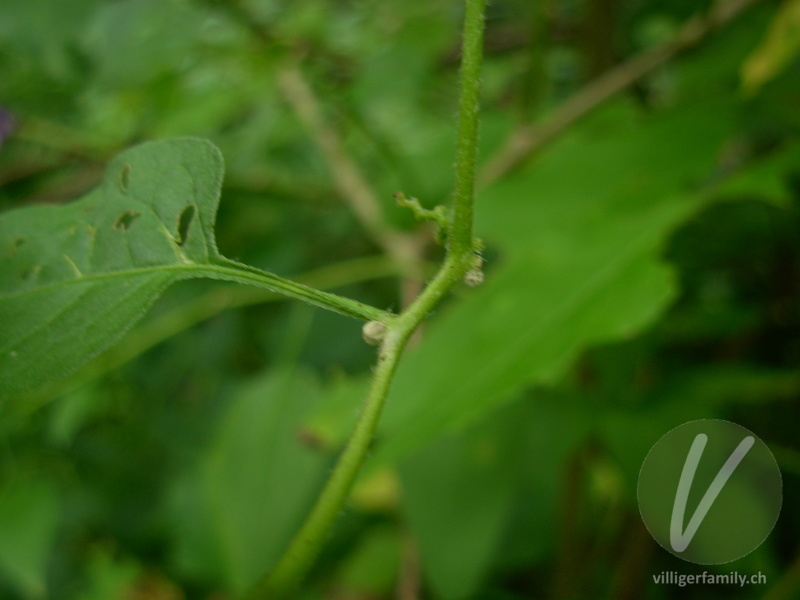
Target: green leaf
506	476
476	471
238	509
74	278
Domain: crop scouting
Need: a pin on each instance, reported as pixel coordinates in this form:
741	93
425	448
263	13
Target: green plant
638	275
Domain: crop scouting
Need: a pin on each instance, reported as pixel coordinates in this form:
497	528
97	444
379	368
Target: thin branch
528	139
350	182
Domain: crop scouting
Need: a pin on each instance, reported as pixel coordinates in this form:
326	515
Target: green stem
228	270
288	574
467	144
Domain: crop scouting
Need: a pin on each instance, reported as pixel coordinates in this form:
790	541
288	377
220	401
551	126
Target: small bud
373	332
473	277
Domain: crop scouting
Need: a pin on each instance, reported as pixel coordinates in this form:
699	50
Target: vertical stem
467	143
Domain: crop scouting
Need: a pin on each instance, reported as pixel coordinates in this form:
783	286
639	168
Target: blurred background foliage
643	270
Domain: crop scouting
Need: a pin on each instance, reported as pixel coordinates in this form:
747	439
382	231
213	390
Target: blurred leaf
133	41
331	422
29	513
75	278
45	32
768	179
254	485
779	47
72	413
477	471
553	428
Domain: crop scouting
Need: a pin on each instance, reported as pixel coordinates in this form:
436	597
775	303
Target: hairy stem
228	270
350	182
290	571
467	144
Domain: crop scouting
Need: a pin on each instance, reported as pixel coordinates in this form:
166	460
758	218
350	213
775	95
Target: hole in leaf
184	222
15	245
125	177
125	220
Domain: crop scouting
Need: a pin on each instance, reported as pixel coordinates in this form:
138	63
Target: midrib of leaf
107	276
226	271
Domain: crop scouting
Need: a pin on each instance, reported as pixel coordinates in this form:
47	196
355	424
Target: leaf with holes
74	278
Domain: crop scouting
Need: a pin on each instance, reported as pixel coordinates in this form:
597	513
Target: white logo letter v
680	539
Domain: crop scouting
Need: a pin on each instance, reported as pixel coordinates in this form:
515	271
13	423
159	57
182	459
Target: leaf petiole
230	270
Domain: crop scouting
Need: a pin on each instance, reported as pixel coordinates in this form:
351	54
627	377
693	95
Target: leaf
780	46
476	471
75	278
254	485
